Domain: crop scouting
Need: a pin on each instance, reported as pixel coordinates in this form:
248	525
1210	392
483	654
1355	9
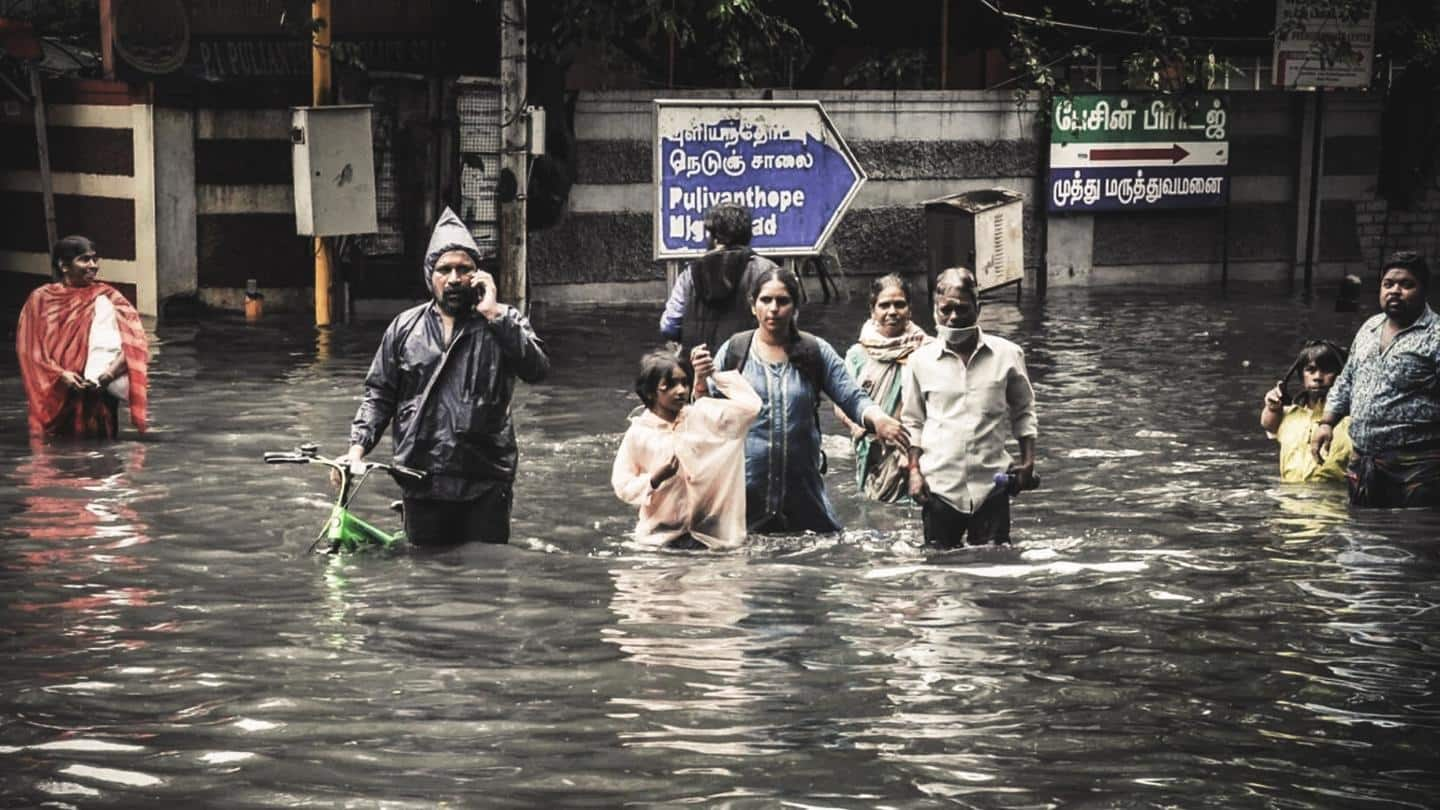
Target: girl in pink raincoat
683	463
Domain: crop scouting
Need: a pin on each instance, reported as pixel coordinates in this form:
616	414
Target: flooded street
1172	628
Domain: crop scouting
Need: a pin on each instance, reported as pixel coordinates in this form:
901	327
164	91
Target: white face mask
955	336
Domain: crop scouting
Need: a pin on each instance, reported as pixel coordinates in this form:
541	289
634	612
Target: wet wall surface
1173	626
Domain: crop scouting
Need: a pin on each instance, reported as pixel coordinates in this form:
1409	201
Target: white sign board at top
783	160
1315	47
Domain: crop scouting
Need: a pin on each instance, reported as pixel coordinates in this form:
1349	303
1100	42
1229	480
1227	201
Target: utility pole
321	21
944	43
514	157
1317	168
107	38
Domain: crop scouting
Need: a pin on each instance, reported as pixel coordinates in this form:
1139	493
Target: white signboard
1316	48
783	160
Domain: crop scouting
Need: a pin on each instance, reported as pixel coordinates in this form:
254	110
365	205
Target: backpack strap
805	357
737	351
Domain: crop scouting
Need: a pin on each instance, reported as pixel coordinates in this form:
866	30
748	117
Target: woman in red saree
82	349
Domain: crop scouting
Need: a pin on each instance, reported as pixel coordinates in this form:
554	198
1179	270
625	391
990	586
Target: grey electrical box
333	156
982	230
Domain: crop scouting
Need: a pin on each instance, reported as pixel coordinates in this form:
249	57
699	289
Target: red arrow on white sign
1173	153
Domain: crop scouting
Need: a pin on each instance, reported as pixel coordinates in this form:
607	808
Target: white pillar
142	128
176	264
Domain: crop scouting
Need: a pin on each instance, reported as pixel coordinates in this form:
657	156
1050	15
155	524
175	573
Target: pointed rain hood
450	234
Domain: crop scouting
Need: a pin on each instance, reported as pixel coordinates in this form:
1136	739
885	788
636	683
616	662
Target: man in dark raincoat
442	379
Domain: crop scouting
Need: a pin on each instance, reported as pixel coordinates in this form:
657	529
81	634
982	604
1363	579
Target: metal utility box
982	230
333	156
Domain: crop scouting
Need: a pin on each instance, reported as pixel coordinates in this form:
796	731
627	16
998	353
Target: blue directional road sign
784	160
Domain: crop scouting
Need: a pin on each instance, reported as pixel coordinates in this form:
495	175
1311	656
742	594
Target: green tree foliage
56	17
718	42
1178	47
1185	47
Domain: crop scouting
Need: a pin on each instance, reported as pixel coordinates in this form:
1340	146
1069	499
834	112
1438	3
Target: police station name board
783	160
1112	152
1319	44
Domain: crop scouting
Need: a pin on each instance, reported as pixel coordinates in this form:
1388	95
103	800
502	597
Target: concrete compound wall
914	145
1382	229
199	201
917	145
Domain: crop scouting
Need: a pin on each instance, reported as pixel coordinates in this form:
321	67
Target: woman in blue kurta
784	490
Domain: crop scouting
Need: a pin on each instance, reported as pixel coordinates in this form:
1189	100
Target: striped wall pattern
244	204
101	139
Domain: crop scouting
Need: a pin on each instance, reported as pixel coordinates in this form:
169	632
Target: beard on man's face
458	299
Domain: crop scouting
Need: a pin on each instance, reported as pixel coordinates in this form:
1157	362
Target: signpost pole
1312	224
42	142
1298	60
1039	207
1225	240
320	96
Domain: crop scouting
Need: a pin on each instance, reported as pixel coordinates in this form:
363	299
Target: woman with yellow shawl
877	362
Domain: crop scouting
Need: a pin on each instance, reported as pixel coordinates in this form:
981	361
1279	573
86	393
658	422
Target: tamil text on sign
1131	152
783	160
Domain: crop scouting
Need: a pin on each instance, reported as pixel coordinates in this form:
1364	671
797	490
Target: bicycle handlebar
285	458
302	457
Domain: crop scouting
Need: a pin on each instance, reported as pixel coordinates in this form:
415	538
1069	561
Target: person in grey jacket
710	300
442	380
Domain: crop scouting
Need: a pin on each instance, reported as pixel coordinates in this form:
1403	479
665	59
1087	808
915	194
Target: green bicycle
343	530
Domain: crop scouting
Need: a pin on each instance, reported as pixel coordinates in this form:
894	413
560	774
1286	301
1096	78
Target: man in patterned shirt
1390	388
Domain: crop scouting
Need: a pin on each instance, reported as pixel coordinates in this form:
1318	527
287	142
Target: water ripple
1173	628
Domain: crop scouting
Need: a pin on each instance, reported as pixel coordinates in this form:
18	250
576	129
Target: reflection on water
686	625
1305	513
1174	627
75	506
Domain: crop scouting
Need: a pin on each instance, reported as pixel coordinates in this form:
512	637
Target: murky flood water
1173	627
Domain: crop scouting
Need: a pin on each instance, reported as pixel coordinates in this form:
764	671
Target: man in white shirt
964	394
